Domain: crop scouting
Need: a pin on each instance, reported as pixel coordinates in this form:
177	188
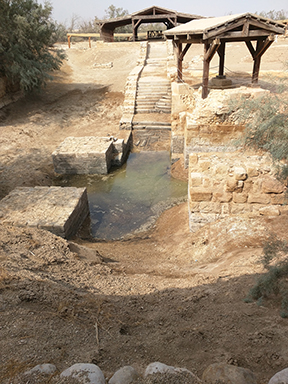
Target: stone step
150	97
152	125
154	110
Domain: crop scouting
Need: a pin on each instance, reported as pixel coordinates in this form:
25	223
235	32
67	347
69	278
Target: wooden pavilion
215	32
149	15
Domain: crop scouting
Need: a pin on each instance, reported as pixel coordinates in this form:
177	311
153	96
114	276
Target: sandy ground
168	295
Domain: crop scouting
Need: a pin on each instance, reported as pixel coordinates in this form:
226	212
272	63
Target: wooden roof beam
212	50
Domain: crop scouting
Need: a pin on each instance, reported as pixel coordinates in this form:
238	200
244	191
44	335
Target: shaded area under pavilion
257	32
152	14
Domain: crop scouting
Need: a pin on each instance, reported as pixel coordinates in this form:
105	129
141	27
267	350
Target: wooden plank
245	29
185	50
205	78
222	29
264	46
238	34
268	27
212	50
251	48
221	53
153	17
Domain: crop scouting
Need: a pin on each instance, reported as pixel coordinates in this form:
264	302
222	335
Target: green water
128	198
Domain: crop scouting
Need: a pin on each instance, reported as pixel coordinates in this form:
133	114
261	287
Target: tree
26	35
112	12
275	15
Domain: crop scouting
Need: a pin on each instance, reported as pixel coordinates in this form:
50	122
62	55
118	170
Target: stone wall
223	184
128	108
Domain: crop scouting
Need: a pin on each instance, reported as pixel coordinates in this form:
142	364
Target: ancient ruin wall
223	184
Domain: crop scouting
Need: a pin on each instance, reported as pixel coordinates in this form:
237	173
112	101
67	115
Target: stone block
271	210
240	198
56	209
195	179
233	185
83	155
252	170
222	197
210	207
221	169
240	209
279	199
193	159
204	165
272	185
258	198
200	194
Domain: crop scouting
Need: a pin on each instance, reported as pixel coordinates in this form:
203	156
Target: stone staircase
153	94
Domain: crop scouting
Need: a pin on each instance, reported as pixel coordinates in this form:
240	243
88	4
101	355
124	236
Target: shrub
26	34
266	122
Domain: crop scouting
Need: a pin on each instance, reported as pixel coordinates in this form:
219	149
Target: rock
269	211
125	375
271	185
240	173
227	374
85	373
46	369
158	368
200	194
280	377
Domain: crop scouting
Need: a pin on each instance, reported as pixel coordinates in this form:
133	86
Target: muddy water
129	199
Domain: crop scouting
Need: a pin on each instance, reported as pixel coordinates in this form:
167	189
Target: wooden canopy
215	32
149	15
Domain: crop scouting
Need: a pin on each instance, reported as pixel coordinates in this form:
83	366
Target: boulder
227	374
84	373
280	377
125	375
44	369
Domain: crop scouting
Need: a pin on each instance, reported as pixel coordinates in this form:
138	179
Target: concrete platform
56	209
83	155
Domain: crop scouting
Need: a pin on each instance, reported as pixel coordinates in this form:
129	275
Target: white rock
125	375
280	377
163	368
157	368
85	373
47	369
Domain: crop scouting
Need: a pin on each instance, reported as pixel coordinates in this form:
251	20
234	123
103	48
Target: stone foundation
83	155
55	209
227	184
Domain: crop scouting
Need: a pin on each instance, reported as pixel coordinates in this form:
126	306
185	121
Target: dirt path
167	296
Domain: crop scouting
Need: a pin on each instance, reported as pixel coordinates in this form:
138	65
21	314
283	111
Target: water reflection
121	202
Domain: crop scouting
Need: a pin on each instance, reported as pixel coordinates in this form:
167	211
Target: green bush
266	122
26	36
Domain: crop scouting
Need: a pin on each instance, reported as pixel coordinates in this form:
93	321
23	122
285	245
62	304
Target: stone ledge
56	209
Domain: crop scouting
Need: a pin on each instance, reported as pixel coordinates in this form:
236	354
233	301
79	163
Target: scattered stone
125	375
85	374
280	377
227	374
47	369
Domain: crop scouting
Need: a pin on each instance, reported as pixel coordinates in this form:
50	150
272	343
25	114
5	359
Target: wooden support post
209	52
206	64
69	43
179	63
89	42
221	53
